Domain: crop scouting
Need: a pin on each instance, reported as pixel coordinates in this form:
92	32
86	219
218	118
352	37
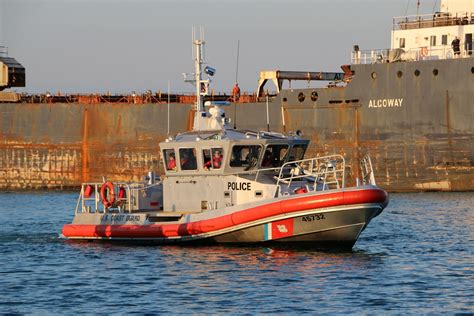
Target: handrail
367	171
129	188
3	51
432	20
412	54
326	170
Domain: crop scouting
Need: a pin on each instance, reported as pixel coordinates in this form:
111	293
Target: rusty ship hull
414	118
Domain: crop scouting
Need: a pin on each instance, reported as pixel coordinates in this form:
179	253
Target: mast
201	85
199	46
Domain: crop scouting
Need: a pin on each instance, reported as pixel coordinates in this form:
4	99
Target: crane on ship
12	74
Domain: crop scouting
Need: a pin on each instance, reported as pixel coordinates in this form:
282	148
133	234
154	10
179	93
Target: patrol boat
225	185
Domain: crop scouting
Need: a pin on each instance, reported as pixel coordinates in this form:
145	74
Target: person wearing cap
216	161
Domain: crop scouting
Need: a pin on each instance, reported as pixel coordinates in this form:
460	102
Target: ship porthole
314	96
399	74
301	97
435	72
373	75
417	72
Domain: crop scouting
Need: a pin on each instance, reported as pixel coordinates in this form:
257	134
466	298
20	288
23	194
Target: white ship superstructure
427	36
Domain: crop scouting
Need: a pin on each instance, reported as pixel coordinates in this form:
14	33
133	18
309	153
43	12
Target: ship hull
316	219
414	118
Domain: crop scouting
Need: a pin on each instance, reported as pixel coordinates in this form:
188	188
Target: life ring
424	51
107	194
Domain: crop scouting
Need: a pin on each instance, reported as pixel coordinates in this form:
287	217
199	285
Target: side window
297	152
187	158
170	159
275	156
212	158
402	42
444	40
245	156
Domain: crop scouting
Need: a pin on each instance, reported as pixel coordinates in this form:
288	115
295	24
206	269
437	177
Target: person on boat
216	161
188	159
267	159
455	45
236	92
171	162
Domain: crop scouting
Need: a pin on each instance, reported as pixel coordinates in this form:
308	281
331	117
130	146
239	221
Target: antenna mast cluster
202	85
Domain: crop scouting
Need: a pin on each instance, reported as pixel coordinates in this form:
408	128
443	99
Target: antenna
237	64
193	33
168	108
268	116
236	81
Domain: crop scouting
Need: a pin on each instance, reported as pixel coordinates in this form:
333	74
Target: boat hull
313	218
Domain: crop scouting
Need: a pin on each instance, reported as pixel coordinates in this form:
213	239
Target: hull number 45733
311	218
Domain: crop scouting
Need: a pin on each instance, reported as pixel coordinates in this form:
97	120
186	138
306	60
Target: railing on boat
367	171
379	56
323	173
123	204
432	20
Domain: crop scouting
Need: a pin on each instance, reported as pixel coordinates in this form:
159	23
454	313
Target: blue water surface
415	258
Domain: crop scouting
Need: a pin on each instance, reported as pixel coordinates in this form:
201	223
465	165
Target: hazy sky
134	45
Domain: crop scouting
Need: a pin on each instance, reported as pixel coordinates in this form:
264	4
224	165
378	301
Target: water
416	258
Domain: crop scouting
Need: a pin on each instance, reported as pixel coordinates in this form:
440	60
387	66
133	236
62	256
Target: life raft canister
107	194
121	195
301	190
88	190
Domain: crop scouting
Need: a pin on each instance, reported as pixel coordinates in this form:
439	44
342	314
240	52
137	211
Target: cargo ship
410	106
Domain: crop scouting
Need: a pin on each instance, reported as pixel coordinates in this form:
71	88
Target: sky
89	46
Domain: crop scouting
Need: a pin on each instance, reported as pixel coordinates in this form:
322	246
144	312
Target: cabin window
444	39
402	42
297	152
170	159
275	156
433	40
187	158
212	158
245	156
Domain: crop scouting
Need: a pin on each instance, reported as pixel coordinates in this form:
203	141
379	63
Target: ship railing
432	20
3	51
369	56
366	171
322	173
413	54
90	200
